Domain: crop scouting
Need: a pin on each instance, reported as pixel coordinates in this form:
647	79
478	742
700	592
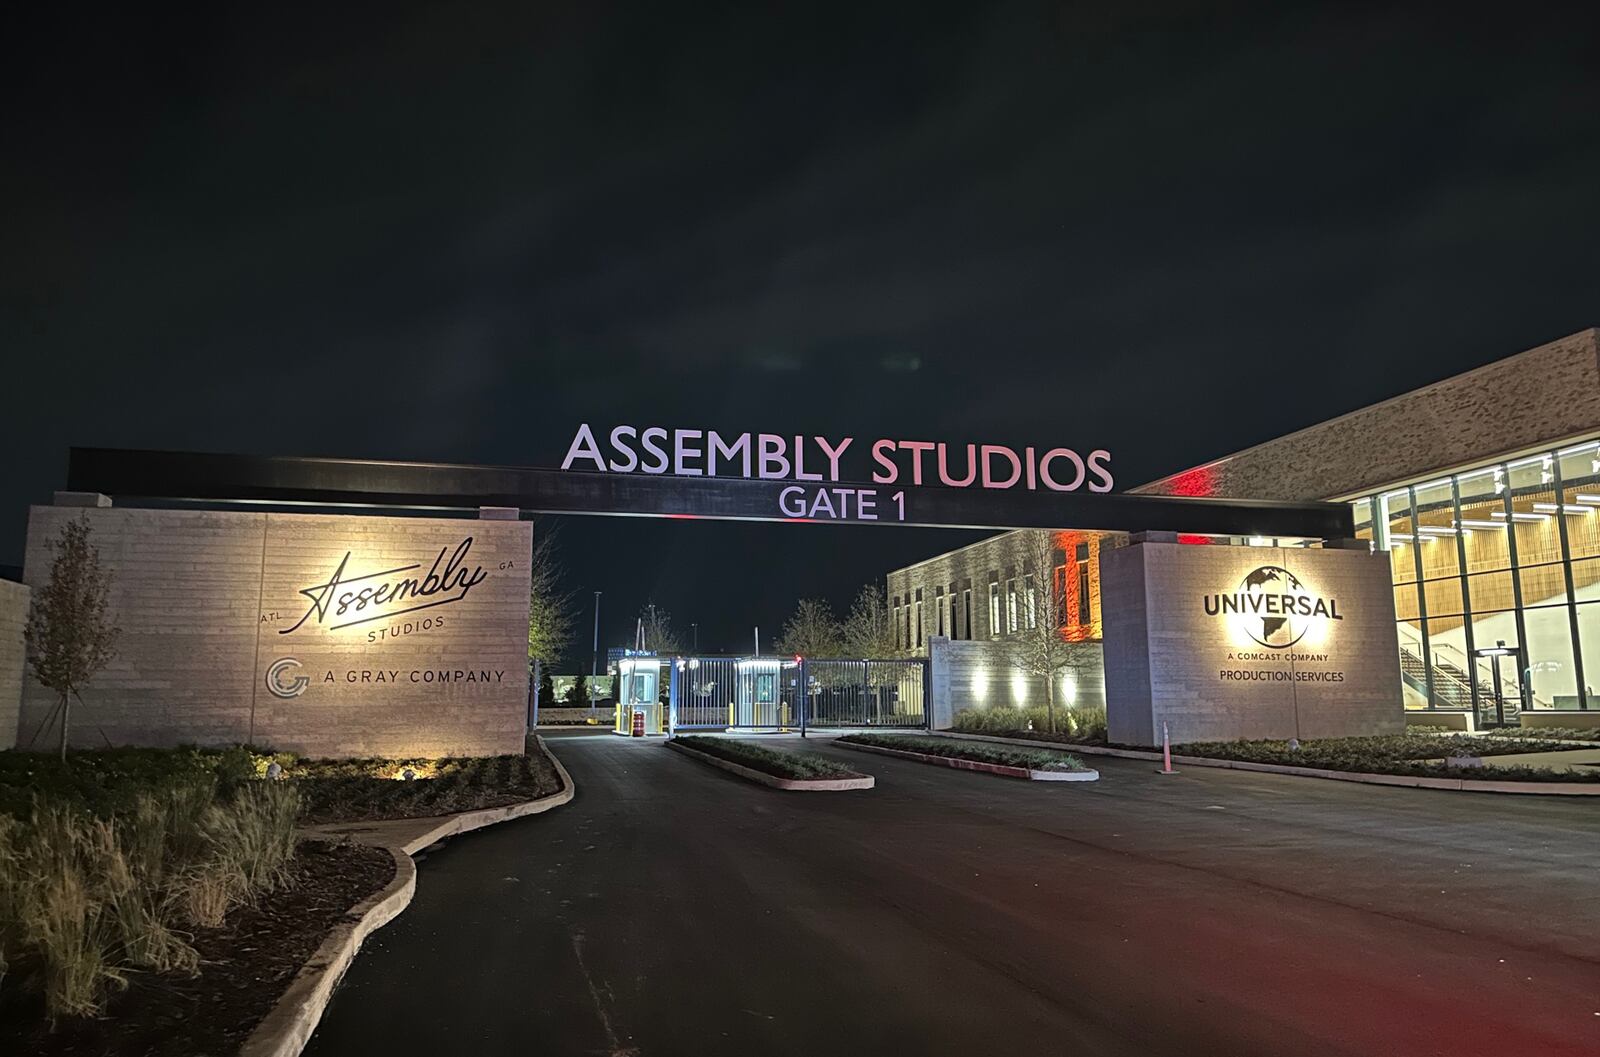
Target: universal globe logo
1273	607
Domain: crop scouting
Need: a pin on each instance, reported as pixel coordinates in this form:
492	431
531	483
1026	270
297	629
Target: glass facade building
1496	581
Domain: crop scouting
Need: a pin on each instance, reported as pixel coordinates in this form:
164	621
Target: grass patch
978	751
779	764
1404	754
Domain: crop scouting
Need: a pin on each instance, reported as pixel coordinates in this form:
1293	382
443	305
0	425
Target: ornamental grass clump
85	900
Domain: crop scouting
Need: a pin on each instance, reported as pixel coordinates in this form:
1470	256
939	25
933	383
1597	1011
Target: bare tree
550	612
868	631
659	636
69	633
1036	646
811	631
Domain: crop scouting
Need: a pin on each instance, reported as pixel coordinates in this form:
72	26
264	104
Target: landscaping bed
1419	755
1073	726
1589	734
105	781
366	790
789	767
159	901
246	963
1044	761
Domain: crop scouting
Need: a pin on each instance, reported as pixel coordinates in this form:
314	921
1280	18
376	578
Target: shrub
1086	725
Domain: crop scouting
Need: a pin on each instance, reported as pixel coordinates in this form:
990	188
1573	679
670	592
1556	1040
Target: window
1030	606
953	632
908	625
1011	606
1081	559
894	620
1059	585
994	609
919	618
938	607
966	610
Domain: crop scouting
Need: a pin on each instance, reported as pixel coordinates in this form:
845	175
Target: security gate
786	693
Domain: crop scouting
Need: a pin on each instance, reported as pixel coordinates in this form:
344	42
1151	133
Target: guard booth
792	693
766	693
639	690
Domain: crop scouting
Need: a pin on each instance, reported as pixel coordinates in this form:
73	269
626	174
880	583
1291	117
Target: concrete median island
803	771
1033	764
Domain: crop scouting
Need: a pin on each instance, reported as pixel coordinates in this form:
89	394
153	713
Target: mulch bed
246	965
344	791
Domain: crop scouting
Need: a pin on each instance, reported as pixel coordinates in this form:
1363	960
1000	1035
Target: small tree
659	636
811	631
578	692
69	633
550	613
1037	647
869	630
547	689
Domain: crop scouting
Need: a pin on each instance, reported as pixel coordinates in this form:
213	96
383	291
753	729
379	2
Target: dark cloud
455	231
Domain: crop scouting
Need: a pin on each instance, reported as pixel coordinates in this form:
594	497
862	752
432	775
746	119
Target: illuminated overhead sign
799	458
772	456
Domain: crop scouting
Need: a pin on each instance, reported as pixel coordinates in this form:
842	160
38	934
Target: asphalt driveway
674	909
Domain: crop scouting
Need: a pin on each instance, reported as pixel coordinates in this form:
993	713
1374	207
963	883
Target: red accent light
1199	540
1199	482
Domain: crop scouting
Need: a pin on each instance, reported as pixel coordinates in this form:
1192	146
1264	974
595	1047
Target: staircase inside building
1452	688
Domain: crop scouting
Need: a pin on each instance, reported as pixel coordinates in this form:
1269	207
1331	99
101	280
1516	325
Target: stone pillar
1248	642
939	707
13	615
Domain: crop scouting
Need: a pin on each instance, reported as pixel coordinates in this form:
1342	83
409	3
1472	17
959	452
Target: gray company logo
280	683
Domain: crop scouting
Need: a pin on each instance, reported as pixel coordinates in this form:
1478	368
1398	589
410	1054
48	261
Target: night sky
449	232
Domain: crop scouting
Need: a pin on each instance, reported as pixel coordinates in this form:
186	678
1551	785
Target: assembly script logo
1273	607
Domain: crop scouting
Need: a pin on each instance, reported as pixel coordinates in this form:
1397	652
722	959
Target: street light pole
694	633
594	655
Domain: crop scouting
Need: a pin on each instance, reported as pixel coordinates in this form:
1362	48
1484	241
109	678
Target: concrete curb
285	1031
1462	785
816	785
1003	769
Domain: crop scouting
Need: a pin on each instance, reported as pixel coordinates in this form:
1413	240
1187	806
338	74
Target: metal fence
722	693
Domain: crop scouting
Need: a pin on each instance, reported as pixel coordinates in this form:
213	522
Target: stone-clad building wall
252	627
13	614
1537	398
965	675
974	568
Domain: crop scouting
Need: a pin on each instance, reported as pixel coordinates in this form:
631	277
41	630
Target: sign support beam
320	482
